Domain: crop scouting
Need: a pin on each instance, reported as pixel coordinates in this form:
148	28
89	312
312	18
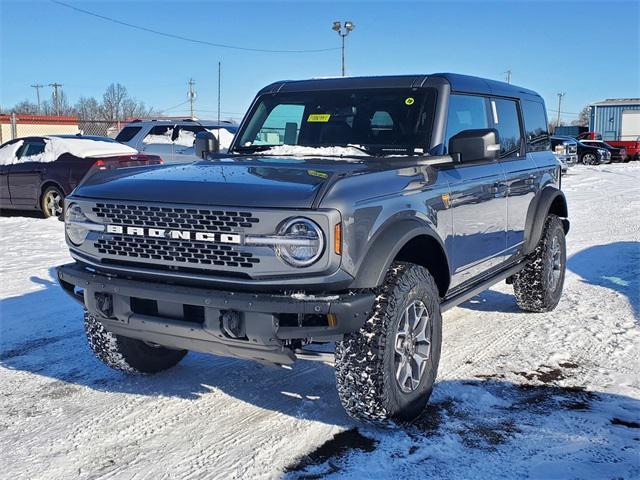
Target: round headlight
73	219
300	242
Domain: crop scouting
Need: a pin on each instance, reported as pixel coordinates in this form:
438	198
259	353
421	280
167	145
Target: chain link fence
17	125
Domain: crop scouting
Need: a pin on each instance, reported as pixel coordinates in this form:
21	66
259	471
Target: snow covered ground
552	395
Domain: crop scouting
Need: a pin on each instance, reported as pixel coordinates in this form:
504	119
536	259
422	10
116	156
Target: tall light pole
343	31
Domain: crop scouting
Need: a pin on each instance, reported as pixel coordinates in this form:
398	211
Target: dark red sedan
38	172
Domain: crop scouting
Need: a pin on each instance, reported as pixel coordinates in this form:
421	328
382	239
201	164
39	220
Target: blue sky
587	49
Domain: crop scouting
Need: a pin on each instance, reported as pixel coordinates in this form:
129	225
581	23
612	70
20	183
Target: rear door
519	169
159	141
477	199
25	176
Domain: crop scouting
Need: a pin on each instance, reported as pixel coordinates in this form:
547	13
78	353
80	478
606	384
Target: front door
25	174
7	158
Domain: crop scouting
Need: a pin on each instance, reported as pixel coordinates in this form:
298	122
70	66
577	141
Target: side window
159	134
127	133
281	126
30	148
507	122
9	150
186	135
466	112
535	124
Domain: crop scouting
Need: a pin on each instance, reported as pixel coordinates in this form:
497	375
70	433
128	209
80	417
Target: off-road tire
532	286
364	360
127	354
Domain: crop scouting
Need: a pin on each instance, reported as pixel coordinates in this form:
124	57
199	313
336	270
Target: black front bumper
189	318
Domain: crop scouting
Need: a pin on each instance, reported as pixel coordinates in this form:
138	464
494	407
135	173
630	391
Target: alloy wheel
412	346
53	203
554	263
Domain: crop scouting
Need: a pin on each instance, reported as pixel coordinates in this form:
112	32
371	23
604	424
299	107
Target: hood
248	182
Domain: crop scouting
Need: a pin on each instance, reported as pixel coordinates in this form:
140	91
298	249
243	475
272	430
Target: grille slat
186	219
175	252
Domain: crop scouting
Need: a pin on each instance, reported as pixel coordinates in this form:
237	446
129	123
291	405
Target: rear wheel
128	354
589	159
387	369
538	286
51	203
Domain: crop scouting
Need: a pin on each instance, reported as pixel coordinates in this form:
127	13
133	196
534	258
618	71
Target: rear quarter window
127	133
536	127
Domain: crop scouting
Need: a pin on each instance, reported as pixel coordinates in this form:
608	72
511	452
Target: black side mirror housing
206	143
475	145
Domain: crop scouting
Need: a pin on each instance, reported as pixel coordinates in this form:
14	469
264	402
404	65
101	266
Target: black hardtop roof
458	84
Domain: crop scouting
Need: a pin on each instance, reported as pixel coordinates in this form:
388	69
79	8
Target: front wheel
387	369
538	286
51	203
128	354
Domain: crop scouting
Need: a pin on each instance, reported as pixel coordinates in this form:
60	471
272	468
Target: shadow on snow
45	337
613	265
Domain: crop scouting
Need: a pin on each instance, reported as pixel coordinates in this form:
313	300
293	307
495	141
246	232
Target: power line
174	107
187	39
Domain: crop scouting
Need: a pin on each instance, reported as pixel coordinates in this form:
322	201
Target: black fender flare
548	198
385	248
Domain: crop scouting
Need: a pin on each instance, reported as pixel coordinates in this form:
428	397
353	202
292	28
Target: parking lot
552	395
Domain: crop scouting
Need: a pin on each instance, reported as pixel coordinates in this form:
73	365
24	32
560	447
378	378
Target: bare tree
116	106
88	108
112	101
25	107
63	106
583	117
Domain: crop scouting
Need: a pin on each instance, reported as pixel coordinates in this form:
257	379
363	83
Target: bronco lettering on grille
175	234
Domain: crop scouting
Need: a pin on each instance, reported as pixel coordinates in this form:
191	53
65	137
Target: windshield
374	121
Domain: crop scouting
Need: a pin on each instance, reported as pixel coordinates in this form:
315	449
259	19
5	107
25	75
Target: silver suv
172	140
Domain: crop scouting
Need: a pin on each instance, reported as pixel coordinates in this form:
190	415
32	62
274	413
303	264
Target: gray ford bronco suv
350	210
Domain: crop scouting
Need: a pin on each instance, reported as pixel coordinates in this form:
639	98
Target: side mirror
205	144
475	145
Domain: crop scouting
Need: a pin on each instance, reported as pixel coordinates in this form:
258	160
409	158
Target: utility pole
560	95
343	31
192	94
37	86
219	89
508	72
56	97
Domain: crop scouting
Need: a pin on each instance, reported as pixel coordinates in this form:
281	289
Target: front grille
178	251
172	217
572	149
